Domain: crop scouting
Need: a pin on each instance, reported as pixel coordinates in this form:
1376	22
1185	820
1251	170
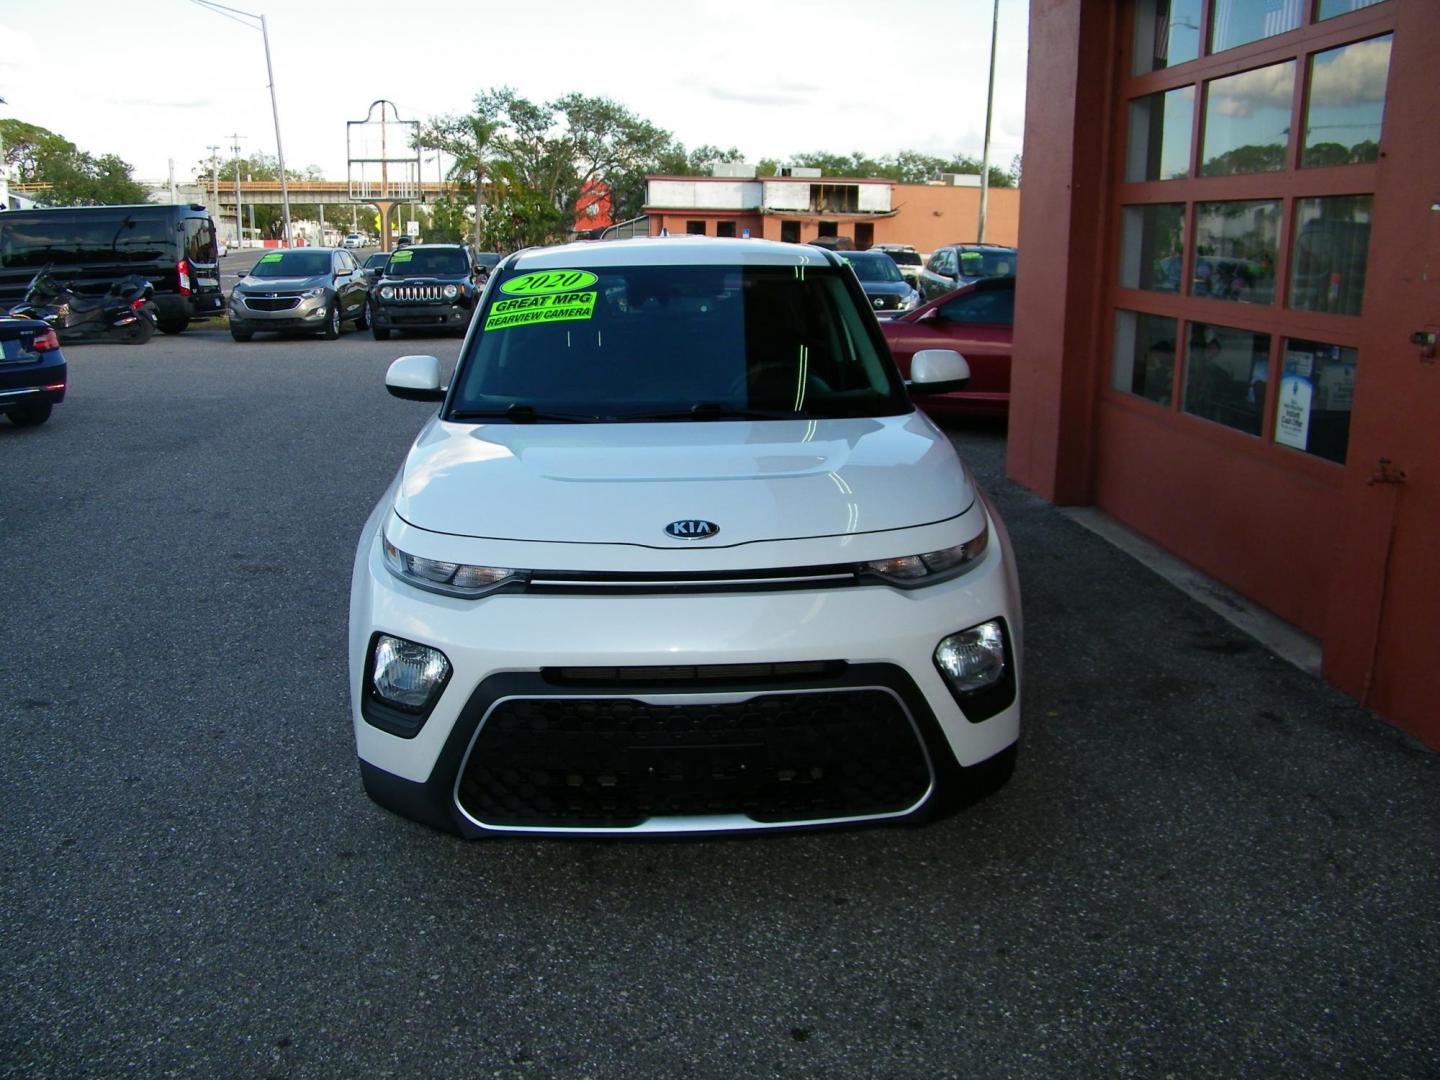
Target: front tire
241	335
362	321
332	321
31	415
174	326
380	333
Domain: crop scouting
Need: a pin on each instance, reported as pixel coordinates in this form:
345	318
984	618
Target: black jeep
425	287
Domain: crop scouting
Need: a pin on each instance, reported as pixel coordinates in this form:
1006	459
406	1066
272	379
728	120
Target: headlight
310	294
452	579
909	571
451	292
407	675
973	659
910	301
387	293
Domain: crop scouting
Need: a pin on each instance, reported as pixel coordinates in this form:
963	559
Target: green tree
540	157
36	155
467	139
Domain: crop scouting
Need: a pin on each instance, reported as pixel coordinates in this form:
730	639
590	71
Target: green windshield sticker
529	310
274	256
401	256
545	282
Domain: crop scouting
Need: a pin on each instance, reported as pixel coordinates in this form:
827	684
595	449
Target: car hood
287	284
623	483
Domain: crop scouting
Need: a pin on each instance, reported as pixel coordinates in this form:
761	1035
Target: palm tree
467	140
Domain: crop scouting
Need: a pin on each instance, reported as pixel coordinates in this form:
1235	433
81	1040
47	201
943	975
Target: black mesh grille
587	762
272	303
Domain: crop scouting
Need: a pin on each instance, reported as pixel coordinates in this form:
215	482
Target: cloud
163	103
1353	75
778	94
1246	94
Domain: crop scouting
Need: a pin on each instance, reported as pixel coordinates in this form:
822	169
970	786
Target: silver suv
307	291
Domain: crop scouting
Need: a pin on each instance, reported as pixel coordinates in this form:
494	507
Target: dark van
87	248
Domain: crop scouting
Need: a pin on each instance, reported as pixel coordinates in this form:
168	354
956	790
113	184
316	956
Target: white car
353	240
678	554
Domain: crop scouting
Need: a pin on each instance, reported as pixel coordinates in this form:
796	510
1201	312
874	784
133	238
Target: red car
975	320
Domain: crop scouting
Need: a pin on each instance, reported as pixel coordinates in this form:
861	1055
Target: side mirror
938	371
415	378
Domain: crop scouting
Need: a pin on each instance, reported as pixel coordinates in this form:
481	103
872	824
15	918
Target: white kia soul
678	554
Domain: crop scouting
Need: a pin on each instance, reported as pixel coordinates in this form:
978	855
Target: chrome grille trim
697	824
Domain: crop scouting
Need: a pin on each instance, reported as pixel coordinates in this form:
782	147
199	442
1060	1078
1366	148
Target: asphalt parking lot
1207	864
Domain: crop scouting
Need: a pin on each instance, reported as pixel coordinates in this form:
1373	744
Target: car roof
674	251
971	246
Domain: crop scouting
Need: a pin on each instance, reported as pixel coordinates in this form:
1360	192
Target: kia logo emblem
692	529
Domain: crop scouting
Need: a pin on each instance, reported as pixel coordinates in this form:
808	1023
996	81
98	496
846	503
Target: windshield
676	343
428	262
282	264
978	264
376	260
55	236
872	267
905	258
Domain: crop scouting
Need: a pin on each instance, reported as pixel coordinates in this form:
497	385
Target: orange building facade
1230	342
866	212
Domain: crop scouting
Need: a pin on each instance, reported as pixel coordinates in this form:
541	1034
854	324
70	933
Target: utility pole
239	222
214	149
280	150
989	109
239	16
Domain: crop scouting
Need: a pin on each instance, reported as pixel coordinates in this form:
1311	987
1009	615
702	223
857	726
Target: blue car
32	371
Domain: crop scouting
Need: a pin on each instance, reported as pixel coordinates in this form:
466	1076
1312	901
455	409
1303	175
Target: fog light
973	659
407	675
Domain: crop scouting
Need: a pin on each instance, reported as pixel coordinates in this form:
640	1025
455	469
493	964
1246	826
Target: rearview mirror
938	371
415	378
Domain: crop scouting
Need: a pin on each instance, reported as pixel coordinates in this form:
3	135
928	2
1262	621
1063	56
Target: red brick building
1228	342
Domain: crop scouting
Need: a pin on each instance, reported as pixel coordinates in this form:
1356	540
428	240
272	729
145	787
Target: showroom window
1252	132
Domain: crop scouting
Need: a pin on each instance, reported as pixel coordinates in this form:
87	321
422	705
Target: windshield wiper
521	413
713	410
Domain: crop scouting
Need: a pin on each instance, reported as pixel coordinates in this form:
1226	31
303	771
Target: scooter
126	312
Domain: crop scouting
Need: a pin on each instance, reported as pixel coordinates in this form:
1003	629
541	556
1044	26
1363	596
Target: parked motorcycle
126	312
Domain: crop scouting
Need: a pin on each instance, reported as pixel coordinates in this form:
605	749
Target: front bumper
586	656
413	316
308	315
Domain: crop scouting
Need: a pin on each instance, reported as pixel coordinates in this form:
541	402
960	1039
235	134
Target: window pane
1144	361
1330	8
1235	249
1346	103
1332	244
1167	32
1160	126
1238	22
1312	410
1151	247
1225	375
1247	121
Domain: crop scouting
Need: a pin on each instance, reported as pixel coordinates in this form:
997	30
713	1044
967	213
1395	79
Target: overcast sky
158	79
